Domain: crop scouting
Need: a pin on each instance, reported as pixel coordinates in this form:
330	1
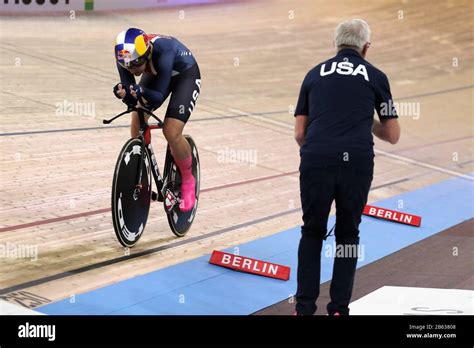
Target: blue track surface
196	287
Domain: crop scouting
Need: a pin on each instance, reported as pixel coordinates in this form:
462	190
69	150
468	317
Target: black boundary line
224	117
127	126
141	253
158	249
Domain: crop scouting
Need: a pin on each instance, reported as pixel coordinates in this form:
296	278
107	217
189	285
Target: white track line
388	154
423	164
258	117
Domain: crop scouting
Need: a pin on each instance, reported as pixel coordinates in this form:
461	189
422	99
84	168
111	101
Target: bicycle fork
145	138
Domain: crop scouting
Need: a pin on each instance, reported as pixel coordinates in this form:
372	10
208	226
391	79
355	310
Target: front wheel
180	222
131	202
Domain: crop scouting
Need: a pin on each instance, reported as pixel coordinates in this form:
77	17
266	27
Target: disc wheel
131	202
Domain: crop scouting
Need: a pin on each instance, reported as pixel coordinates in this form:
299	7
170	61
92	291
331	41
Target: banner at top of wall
35	6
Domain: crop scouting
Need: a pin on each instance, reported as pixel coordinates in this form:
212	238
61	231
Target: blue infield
197	288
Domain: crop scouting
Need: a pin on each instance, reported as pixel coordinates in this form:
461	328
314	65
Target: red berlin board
392	215
249	265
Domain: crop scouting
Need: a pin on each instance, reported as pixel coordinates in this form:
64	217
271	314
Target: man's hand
301	122
387	130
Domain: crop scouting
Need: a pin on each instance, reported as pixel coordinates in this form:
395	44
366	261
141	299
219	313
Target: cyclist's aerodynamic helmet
132	47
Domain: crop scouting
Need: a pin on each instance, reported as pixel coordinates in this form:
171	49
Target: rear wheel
131	202
180	222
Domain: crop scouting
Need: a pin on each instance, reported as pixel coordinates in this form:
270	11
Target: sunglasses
134	63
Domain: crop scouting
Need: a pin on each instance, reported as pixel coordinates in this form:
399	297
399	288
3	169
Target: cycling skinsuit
173	70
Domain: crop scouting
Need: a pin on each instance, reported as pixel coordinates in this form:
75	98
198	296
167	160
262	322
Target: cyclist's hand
119	91
125	94
136	90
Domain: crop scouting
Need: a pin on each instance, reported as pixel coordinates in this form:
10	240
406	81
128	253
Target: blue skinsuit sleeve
126	77
156	95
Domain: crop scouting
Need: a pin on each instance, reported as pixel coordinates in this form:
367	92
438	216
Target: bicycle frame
145	136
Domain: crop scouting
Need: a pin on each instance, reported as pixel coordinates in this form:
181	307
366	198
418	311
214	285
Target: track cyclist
166	67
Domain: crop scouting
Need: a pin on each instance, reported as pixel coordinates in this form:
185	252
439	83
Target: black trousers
349	186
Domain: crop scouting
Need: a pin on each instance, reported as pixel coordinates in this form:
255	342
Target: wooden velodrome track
56	170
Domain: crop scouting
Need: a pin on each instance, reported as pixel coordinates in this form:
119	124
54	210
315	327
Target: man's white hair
354	33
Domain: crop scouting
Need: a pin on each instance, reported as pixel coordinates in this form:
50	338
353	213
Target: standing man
334	121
